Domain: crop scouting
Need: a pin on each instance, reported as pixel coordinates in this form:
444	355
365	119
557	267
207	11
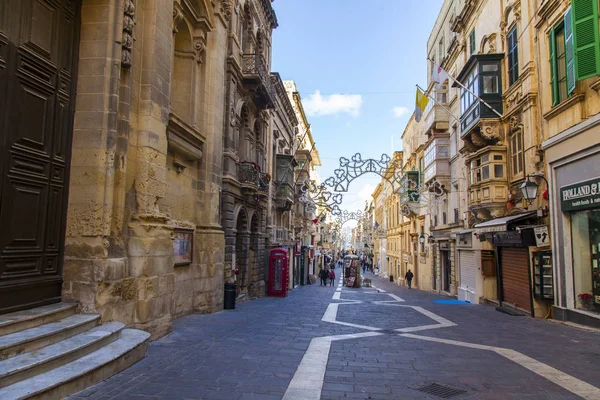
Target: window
559	64
513	56
441	49
585	237
472	42
456	216
482	169
444	218
516	152
466	98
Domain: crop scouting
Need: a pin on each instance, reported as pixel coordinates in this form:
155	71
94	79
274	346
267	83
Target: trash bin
230	295
391	278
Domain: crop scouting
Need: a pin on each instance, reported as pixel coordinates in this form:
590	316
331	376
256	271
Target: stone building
246	181
569	123
136	157
304	213
380	230
415	207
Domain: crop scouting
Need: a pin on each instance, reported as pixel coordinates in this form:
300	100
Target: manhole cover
441	391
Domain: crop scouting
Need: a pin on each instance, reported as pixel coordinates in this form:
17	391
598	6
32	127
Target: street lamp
422	238
529	189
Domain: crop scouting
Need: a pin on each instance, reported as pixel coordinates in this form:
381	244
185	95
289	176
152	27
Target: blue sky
371	52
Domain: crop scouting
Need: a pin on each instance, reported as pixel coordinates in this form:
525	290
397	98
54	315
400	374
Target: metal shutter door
515	278
468	273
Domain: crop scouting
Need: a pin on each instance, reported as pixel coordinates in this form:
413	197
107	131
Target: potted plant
586	300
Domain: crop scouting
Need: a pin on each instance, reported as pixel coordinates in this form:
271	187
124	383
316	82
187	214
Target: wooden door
38	52
514	263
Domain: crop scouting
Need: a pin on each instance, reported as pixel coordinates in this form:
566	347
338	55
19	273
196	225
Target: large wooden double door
38	57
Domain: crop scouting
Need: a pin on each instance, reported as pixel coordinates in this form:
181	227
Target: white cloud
316	104
400	111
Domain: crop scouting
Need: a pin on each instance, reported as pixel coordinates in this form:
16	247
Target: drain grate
441	391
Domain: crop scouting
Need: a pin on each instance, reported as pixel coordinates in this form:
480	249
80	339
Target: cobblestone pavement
369	343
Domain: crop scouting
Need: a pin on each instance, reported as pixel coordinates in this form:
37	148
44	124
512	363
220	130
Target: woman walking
331	277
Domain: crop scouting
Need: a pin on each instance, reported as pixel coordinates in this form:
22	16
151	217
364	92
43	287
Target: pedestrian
331	277
409	275
364	267
323	276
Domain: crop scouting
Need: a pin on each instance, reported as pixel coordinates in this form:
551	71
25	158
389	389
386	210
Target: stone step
21	320
44	335
83	372
27	365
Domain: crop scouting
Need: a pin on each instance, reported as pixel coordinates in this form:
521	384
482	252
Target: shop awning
500	224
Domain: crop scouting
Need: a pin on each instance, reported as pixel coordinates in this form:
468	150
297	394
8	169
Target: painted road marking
566	381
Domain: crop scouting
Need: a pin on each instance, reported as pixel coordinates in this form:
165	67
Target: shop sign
444	246
405	258
507	238
464	240
311	253
422	260
297	253
580	196
542	238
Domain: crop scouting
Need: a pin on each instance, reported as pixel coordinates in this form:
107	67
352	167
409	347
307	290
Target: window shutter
585	38
569	52
553	72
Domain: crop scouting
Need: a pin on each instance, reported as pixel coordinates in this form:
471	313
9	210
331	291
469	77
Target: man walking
323	276
331	277
409	275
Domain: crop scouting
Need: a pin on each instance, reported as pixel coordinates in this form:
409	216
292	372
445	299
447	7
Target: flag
323	218
376	225
438	76
420	104
315	220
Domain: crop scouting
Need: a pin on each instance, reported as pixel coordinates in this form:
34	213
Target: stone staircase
51	352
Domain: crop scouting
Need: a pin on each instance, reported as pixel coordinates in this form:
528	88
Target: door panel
38	44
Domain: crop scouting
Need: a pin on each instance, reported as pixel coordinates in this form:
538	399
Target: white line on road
307	382
566	381
441	321
331	315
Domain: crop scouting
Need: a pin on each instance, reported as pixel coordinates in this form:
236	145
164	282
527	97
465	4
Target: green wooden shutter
585	38
553	70
569	52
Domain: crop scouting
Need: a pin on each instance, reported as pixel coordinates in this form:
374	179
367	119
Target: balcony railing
282	235
251	177
254	69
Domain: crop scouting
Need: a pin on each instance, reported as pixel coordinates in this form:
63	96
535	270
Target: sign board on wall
580	196
542	238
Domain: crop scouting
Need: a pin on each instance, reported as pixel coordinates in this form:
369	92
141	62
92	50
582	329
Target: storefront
574	175
512	237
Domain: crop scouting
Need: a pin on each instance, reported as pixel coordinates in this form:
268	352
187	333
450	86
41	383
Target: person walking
409	276
323	276
331	277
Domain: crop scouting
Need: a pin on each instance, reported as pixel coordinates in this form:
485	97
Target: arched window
183	73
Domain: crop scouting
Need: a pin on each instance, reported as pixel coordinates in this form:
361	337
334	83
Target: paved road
370	343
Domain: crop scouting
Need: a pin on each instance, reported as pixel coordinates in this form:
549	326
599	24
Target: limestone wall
127	192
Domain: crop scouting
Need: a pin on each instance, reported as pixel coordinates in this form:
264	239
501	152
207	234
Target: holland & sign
580	196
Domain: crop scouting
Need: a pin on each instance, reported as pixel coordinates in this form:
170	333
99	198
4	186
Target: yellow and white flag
421	103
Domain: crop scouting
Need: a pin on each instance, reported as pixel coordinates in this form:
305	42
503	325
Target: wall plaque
183	246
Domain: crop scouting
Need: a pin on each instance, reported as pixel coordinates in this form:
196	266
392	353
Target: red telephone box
278	272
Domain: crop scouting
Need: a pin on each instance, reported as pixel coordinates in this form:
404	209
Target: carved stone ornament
491	133
514	98
199	48
514	123
227	8
127	41
177	17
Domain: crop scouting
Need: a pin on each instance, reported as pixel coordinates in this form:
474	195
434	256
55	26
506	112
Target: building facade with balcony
304	213
380	260
500	134
249	95
415	208
568	49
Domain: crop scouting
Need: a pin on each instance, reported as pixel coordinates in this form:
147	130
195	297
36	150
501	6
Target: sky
356	64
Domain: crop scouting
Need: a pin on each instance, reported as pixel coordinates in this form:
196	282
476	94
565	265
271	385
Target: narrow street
384	342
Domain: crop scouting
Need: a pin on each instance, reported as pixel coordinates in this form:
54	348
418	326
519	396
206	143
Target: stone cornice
545	10
565	105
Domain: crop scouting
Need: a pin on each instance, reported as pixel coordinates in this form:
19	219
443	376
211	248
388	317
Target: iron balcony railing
255	67
249	173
